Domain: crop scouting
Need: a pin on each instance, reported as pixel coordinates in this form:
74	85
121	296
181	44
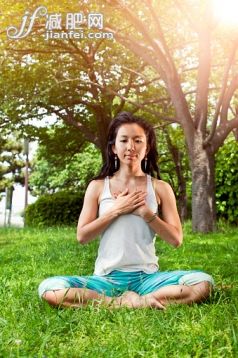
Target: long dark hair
108	168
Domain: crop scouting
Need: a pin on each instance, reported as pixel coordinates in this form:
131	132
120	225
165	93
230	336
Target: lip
130	156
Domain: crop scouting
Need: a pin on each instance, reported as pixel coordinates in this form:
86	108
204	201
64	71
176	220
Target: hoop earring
115	162
146	161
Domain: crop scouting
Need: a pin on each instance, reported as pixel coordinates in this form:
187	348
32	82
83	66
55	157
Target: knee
50	297
201	291
206	289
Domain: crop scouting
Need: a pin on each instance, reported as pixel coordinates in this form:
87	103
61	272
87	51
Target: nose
131	145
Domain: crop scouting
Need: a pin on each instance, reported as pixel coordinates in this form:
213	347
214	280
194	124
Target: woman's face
131	144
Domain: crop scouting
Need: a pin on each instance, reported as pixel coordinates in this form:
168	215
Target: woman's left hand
142	211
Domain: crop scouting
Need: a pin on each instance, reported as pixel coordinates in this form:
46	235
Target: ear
113	149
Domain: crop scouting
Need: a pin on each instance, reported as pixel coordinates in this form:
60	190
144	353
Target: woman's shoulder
161	187
96	183
95	187
160	182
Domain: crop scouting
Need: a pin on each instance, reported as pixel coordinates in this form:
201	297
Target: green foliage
11	161
31	328
227	181
85	83
166	161
76	81
59	209
174	166
60	142
69	170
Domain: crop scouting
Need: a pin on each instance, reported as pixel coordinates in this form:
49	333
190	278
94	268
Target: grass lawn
31	328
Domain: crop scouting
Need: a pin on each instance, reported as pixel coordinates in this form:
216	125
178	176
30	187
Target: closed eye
137	141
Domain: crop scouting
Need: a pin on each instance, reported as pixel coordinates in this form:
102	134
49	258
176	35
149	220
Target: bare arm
89	225
169	228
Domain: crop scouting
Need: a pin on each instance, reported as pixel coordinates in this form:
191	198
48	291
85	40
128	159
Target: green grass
31	328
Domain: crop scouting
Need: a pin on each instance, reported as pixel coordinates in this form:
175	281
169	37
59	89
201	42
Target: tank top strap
150	187
106	189
151	191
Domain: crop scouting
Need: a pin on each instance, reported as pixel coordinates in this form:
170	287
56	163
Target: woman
121	205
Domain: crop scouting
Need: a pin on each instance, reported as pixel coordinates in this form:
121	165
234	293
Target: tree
171	69
97	82
81	83
11	161
176	38
73	172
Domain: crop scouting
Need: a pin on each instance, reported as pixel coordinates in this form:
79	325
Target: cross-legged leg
71	291
74	297
180	293
78	297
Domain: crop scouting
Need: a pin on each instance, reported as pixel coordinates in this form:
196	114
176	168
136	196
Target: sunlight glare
226	11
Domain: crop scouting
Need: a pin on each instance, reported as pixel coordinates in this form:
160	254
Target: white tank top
127	244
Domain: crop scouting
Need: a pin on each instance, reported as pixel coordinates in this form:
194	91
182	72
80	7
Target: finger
123	193
156	303
160	305
136	195
135	206
139	199
136	192
139	202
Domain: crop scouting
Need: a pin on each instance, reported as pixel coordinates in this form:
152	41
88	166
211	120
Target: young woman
121	205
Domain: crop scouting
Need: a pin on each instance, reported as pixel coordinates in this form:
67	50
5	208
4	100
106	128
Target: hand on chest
118	187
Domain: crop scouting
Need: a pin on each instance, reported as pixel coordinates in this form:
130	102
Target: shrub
227	181
59	209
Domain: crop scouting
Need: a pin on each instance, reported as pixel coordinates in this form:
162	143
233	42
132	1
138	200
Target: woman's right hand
126	203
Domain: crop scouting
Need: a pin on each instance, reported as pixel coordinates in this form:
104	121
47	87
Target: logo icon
12	31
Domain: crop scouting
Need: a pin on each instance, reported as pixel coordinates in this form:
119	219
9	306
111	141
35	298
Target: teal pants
117	282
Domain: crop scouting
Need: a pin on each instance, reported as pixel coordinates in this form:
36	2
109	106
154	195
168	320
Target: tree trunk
182	192
203	187
182	197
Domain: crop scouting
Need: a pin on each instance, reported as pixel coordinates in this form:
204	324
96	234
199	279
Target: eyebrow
137	136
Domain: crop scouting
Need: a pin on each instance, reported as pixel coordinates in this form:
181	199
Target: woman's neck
127	173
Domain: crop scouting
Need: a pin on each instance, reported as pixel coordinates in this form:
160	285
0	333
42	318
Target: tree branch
201	107
127	90
140	50
227	98
137	105
222	94
160	33
189	16
159	51
69	119
224	129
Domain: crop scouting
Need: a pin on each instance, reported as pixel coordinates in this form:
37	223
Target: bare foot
150	301
131	299
128	299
